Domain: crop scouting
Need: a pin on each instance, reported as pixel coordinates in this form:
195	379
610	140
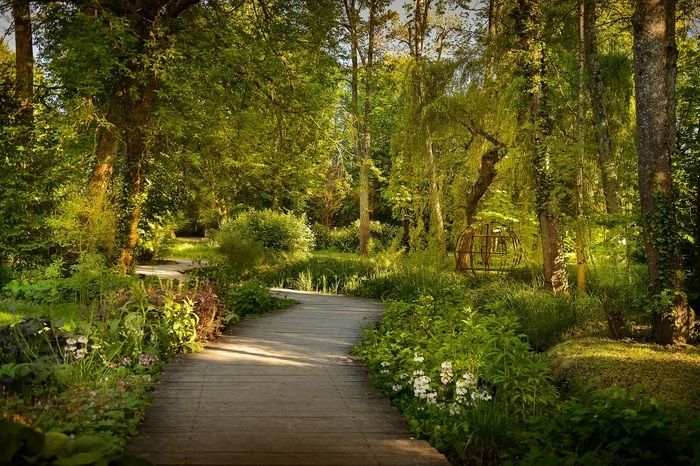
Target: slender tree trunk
365	160
420	24
554	260
655	56
352	16
24	60
580	247
596	89
437	225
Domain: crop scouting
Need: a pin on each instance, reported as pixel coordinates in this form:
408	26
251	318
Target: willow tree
655	67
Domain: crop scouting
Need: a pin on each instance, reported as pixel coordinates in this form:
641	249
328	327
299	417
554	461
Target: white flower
417	357
71	341
403	376
80	354
418	373
431	398
446	372
396	388
383	371
70	348
455	409
82	339
385	364
469	379
96	346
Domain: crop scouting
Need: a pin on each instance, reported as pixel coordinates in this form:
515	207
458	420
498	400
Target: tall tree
24	59
596	89
655	53
419	33
581	122
530	35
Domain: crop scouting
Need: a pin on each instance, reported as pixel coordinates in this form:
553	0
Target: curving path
280	390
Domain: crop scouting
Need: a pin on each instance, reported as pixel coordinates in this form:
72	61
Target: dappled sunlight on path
280	389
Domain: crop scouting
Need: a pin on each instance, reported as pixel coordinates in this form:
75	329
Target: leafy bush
252	297
612	427
154	237
21	445
347	239
241	254
83	225
460	377
90	280
275	231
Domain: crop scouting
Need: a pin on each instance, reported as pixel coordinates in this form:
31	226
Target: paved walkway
280	389
174	269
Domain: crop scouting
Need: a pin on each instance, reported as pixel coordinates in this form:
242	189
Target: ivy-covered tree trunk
608	174
533	67
581	121
655	57
24	60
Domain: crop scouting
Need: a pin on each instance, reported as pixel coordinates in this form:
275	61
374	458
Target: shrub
322	234
612	427
347	239
21	445
84	225
252	297
460	377
241	254
275	231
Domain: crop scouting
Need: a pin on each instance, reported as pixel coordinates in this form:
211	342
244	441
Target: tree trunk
608	174
24	60
487	173
580	251
138	122
437	225
365	160
655	56
554	261
108	138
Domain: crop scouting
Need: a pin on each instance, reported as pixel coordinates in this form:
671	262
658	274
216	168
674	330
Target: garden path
173	268
280	389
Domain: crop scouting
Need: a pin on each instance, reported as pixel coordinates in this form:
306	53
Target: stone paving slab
280	390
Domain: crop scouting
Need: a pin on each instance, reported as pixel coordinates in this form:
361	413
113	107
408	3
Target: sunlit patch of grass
12	311
181	248
669	374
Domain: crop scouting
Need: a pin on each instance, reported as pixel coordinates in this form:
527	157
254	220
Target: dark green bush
347	239
252	297
275	231
21	445
610	428
241	254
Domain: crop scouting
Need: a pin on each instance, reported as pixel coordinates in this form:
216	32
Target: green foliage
543	317
252	297
276	232
240	254
347	239
461	377
21	445
83	226
612	427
